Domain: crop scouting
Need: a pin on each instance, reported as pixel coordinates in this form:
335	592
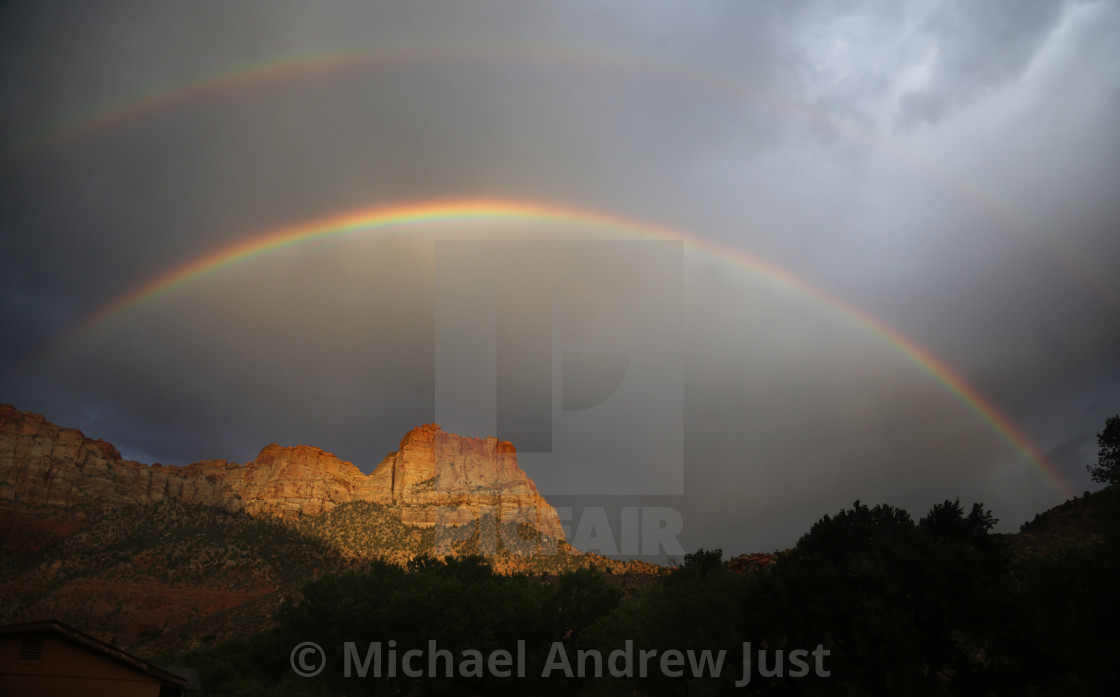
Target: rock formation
435	478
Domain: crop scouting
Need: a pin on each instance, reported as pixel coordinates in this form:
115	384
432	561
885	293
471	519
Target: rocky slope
130	574
435	478
166	557
1077	524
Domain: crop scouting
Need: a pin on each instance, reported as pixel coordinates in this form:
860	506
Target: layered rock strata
434	477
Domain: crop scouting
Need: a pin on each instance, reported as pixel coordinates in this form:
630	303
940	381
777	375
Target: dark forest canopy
891	606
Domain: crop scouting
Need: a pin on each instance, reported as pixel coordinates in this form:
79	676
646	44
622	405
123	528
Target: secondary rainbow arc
332	59
398	217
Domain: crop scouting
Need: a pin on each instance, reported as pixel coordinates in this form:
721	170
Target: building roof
189	675
95	645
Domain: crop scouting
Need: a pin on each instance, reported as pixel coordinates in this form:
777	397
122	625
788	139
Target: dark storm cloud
980	47
948	168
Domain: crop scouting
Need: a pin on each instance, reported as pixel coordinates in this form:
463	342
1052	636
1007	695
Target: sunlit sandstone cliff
434	478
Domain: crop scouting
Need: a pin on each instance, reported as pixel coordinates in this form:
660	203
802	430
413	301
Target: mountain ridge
438	478
163	556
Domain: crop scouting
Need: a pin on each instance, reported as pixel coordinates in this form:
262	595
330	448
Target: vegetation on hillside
938	606
202	560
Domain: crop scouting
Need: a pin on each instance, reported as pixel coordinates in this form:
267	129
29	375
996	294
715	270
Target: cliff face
436	478
445	479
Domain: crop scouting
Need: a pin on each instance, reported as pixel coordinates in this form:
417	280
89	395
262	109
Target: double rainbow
312	64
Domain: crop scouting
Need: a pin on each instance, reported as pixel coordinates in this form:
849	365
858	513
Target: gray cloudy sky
947	169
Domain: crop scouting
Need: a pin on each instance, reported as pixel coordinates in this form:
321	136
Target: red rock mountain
434	478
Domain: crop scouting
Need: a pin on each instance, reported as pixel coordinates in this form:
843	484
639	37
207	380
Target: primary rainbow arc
398	217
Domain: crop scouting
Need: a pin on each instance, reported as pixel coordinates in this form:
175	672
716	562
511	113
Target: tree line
937	606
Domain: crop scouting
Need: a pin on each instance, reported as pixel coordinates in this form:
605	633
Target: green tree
903	608
948	521
581	597
1107	469
694	608
702	561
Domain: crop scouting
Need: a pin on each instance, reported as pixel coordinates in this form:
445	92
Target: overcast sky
947	170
